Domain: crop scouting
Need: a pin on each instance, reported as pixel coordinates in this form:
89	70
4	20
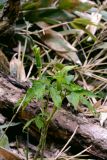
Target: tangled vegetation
60	47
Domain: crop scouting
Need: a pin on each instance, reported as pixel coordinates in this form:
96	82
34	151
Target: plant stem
52	114
42	142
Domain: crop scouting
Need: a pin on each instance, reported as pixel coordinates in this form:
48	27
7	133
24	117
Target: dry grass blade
76	157
95	68
59	154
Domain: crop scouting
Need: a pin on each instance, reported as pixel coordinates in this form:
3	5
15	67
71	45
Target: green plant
50	11
53	88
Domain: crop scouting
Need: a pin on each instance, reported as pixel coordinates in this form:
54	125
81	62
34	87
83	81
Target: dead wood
9	15
64	123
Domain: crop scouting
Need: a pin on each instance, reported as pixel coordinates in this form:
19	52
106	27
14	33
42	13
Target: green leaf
68	4
88	104
1	6
59	77
72	87
67	68
28	98
87	93
4	142
40	14
74	99
55	95
45	3
30	6
59	66
36	51
39	87
37	91
82	21
74	5
39	121
75	87
62	77
28	123
80	90
36	4
83	6
69	78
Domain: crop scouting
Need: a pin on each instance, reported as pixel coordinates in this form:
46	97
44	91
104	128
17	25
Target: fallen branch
63	124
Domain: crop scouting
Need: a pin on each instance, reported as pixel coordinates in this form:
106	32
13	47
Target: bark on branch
9	15
64	122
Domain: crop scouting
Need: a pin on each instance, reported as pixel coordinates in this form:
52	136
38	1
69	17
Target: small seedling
53	88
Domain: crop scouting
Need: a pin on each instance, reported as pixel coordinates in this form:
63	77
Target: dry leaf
2	119
17	69
4	63
97	104
8	155
56	41
103	117
95	18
